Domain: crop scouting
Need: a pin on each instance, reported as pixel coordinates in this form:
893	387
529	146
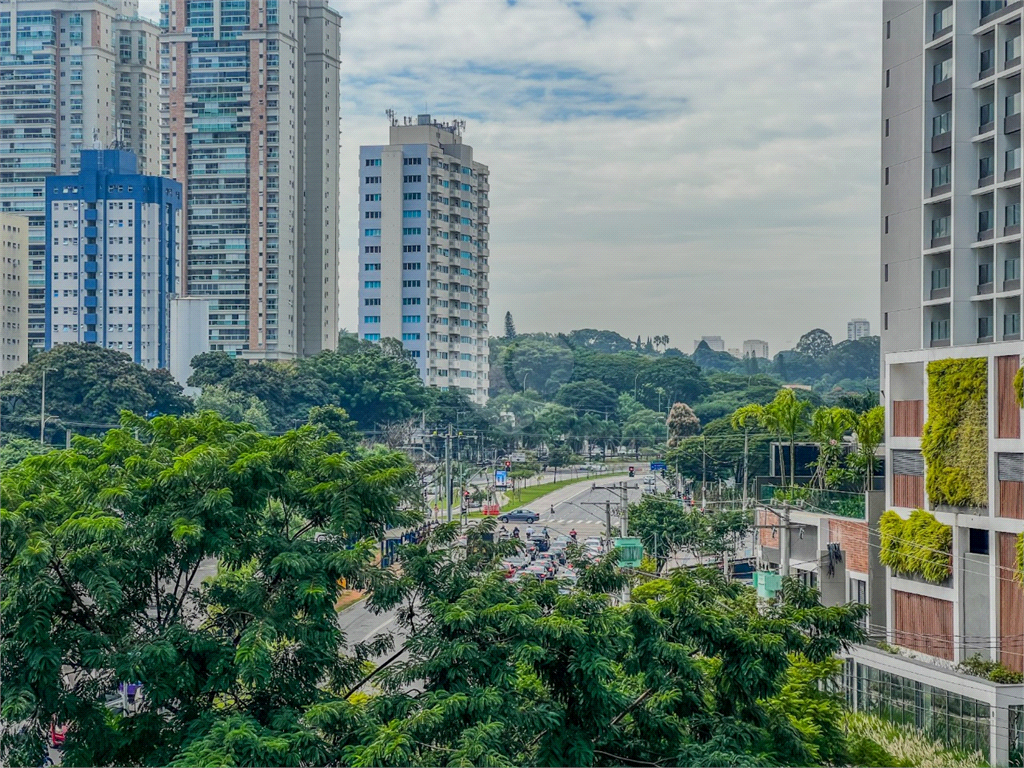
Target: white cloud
683	167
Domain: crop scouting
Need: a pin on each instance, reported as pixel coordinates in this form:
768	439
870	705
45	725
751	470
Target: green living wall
919	545
955	438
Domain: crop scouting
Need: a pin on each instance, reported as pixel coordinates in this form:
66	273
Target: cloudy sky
690	167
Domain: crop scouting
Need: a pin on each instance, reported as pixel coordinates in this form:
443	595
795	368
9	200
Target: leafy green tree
643	428
335	421
15	449
104	552
234	406
590	395
541	364
815	343
827	427
598	341
870	431
86	383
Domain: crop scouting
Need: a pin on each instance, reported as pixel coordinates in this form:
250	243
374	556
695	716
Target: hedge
955	438
920	545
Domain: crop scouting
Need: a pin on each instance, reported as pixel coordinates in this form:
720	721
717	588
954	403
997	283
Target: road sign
658	466
631	552
500	478
518	457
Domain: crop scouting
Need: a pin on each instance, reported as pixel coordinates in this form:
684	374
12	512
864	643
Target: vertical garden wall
955	437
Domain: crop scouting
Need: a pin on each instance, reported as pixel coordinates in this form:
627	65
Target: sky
681	168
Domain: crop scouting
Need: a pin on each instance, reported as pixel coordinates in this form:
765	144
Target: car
538	572
519	515
593	542
548	559
543	543
516	561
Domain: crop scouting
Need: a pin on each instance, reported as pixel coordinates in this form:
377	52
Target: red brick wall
765	517
853	538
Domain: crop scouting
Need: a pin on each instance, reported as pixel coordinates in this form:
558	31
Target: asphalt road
582	508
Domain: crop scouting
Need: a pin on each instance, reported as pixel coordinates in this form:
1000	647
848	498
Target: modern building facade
13	292
250	128
857	328
755	348
113	243
951	304
72	72
716	343
424	256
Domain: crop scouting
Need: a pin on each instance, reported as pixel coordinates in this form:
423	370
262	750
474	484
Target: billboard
658	466
500	478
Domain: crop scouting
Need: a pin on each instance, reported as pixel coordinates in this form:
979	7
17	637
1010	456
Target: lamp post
42	406
634	383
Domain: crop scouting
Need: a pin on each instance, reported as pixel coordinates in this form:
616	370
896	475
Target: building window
887	273
370	319
887	225
885	321
411	318
887	127
370	163
371	336
371	284
888	30
887	176
887	78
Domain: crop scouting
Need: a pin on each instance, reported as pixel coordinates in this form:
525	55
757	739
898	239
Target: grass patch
531	493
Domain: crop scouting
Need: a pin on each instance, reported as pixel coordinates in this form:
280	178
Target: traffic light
632	472
508	465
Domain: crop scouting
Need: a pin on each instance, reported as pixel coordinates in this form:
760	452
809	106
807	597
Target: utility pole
42	410
784	540
608	518
623	509
704	470
746	437
448	472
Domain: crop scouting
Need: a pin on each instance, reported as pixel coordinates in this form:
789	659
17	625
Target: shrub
920	545
906	745
955	438
1018	386
995	671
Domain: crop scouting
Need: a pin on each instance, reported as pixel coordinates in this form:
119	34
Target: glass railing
1011	269
1013	157
840	503
1013	48
1012	212
940	330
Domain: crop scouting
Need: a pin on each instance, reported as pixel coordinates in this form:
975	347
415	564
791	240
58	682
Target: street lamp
42	405
634	383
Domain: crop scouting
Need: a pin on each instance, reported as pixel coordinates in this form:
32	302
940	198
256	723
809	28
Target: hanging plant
1018	570
955	438
919	545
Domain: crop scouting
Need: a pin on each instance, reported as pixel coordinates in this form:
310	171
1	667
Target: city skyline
774	156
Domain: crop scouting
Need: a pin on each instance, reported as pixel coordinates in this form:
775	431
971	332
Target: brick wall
852	536
765	517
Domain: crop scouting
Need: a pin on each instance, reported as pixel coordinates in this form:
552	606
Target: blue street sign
657	466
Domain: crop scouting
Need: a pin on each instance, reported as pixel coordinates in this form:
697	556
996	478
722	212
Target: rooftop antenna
96	139
391	116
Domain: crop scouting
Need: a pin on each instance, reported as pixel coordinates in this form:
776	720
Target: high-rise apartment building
858	328
423	249
72	72
951	343
755	348
113	243
250	127
13	292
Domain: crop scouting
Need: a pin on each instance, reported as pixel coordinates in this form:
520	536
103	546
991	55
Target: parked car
519	515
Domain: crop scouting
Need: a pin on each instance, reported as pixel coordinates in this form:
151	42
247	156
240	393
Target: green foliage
920	545
995	671
85	383
1018	386
234	406
955	437
14	450
1018	566
104	550
664	524
903	746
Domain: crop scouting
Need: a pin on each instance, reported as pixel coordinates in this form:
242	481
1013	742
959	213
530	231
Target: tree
870	431
643	427
542	365
787	412
682	422
510	326
14	450
332	420
89	384
815	343
828	425
180	552
587	396
234	406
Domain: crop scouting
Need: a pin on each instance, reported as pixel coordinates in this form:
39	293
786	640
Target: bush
1018	386
920	545
995	671
955	438
904	745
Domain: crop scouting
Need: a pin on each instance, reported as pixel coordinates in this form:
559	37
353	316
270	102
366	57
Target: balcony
942	132
1011	123
985	329
1012	52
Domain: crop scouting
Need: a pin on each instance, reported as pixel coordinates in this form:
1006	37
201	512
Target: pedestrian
545	533
552	509
529	531
572	534
515	531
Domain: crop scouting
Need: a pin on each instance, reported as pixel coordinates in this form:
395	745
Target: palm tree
828	425
870	431
787	415
744	418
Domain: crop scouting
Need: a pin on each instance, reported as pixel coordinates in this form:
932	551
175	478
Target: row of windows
372	162
411	248
371	179
412	161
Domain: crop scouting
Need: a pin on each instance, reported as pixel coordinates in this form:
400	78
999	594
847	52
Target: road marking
378	629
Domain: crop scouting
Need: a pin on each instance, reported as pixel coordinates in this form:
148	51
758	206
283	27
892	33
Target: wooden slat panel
1011	499
908	491
923	624
1007	409
1011	606
907	418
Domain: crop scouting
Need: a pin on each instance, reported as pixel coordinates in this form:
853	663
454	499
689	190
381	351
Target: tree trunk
792	460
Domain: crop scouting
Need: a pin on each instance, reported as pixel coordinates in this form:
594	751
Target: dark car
543	543
519	515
